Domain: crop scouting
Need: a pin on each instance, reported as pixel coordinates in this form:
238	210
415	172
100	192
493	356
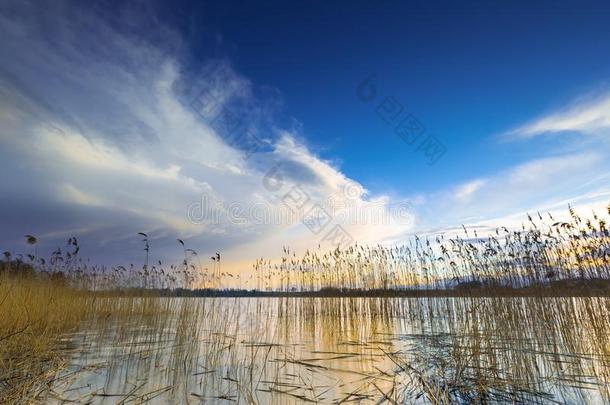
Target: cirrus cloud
98	138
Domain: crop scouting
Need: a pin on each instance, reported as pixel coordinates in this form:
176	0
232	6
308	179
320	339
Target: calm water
332	350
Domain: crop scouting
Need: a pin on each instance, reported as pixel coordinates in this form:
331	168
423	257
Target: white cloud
504	198
109	145
589	116
575	173
465	191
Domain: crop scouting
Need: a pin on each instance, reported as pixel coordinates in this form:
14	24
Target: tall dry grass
63	322
542	251
36	313
66	345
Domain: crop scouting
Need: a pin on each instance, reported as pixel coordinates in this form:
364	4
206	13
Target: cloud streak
588	116
98	138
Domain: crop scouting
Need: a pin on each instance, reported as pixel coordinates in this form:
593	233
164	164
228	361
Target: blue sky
467	71
99	138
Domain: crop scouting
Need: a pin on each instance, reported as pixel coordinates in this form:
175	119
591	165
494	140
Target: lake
344	350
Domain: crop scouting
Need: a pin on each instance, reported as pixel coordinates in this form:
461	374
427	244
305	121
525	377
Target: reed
36	313
542	252
70	331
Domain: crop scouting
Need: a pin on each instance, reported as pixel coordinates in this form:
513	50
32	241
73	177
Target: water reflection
334	350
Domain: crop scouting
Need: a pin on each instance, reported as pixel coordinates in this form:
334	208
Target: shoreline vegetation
43	301
542	255
49	330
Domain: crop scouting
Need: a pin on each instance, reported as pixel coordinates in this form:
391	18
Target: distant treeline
573	287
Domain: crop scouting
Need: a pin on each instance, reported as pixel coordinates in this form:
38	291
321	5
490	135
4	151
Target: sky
243	128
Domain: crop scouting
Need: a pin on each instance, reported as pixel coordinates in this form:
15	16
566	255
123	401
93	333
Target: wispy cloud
503	198
587	115
574	171
106	143
466	191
